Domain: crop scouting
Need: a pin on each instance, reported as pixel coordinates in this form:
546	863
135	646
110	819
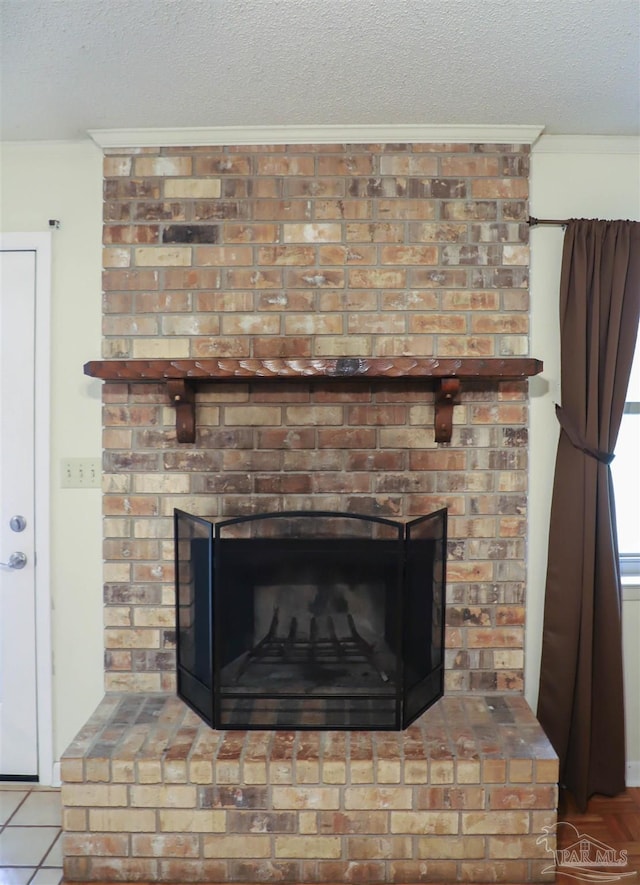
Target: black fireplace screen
303	620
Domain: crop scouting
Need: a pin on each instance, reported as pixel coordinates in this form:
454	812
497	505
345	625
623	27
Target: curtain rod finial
532	221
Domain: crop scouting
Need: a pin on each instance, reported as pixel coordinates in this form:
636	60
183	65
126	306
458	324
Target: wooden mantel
183	376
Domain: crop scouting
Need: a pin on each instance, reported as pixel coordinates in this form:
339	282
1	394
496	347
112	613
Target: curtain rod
532	221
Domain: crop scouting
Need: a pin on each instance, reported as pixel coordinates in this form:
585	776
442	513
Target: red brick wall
317	250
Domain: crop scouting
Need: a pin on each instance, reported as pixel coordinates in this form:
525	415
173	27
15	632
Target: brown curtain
581	701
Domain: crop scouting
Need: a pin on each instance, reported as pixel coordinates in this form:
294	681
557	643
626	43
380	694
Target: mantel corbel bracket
446	392
183	398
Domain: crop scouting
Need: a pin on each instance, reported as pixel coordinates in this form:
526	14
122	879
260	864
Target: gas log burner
310	620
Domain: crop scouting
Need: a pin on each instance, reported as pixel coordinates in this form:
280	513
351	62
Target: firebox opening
310	620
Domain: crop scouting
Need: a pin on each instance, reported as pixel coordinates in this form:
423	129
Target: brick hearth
153	794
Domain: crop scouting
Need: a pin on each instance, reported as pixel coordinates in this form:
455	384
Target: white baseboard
55	775
633	773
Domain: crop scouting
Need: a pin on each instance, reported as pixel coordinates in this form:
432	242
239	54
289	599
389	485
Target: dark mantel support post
448	389
183	376
183	396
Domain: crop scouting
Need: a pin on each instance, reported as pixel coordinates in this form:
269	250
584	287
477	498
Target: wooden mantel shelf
183	376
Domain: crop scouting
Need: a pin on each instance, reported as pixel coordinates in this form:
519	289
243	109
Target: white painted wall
572	177
63	180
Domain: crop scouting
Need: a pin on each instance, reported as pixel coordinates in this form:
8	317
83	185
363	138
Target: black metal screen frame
406	712
433	683
198	695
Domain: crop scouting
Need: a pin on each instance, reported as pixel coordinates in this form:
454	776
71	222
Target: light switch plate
81	473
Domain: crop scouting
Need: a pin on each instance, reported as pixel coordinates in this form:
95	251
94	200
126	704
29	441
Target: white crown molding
46	144
379	134
588	144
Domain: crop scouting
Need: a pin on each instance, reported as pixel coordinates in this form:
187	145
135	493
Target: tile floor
30	845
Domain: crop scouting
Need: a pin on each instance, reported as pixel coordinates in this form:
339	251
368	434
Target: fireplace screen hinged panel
310	620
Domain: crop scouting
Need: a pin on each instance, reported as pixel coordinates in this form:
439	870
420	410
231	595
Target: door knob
16	560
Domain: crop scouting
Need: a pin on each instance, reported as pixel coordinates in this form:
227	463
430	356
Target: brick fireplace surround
314	251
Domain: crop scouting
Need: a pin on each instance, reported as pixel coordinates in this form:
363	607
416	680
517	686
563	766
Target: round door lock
17	523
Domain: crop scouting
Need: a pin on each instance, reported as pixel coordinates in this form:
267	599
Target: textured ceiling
72	65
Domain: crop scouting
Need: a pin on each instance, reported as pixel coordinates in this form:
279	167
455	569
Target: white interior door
18	694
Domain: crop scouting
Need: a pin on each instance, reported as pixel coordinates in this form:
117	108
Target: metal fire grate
318	657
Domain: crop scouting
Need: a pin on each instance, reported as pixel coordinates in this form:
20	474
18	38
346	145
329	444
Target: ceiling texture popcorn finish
75	65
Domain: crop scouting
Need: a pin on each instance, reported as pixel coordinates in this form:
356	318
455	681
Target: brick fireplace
323	252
